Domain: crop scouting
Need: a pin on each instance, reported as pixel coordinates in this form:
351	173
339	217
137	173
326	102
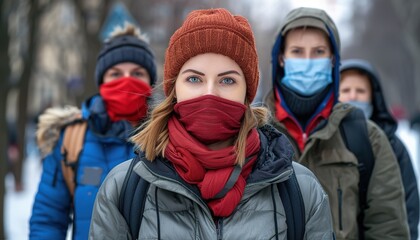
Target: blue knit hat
125	48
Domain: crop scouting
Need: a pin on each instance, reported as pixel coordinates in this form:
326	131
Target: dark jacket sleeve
410	185
51	208
386	216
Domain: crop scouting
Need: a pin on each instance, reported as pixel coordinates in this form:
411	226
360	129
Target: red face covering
126	99
209	118
205	120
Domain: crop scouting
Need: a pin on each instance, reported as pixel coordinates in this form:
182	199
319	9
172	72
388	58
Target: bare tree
91	18
387	34
4	76
35	12
408	15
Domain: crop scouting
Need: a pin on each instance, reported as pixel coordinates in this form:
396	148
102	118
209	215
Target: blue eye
228	81
193	79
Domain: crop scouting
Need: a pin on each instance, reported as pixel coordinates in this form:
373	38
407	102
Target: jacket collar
95	112
324	130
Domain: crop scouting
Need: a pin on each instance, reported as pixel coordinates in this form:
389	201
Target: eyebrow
114	68
228	72
119	69
220	74
319	46
194	71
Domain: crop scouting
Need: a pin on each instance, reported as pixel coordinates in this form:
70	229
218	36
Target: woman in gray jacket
212	162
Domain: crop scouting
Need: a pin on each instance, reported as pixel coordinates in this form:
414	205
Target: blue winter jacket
105	146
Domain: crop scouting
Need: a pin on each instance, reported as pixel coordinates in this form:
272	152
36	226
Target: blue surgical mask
307	76
366	107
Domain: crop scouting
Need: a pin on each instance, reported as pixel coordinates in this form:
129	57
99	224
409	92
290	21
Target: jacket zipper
197	198
340	206
219	228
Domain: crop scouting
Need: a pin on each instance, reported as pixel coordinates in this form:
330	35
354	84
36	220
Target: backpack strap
294	207
71	147
134	190
354	131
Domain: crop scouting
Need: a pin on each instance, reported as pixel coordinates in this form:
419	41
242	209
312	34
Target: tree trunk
407	14
4	76
29	64
94	46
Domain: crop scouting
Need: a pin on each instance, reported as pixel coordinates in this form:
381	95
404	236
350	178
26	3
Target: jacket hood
50	124
380	115
306	14
54	120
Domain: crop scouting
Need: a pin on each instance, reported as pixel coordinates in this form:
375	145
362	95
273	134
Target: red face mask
126	99
209	118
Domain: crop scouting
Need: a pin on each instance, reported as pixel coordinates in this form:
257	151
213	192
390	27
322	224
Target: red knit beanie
213	31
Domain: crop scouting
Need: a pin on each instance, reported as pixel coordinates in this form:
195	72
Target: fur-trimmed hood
50	124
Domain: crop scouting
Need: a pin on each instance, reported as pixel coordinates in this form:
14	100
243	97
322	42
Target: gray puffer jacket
175	210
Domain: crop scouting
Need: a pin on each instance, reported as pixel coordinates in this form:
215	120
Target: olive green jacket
335	166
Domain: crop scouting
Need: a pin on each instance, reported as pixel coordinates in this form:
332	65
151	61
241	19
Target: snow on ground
18	206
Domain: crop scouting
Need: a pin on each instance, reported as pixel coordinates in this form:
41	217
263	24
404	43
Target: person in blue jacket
360	86
125	73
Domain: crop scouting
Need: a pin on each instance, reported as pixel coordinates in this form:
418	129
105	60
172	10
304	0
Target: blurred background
48	52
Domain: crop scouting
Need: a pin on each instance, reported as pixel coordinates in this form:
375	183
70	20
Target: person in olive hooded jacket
305	68
360	86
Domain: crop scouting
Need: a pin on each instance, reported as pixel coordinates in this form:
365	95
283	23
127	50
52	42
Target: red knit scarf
210	169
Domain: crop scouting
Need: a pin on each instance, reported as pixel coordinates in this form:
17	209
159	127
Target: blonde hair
153	137
128	29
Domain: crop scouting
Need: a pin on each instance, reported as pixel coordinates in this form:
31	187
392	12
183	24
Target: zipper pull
305	137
